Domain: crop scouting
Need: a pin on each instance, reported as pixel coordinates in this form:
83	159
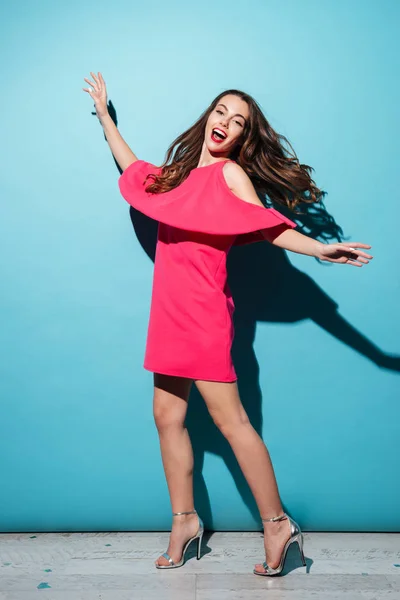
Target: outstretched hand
344	252
98	93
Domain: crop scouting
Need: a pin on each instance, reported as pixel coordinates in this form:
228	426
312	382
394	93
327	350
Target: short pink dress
190	328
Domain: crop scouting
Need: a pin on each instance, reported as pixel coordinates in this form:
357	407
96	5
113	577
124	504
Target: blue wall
316	343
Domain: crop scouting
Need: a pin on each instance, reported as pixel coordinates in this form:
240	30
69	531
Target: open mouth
217	136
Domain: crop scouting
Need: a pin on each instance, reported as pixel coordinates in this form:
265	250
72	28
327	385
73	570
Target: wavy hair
265	155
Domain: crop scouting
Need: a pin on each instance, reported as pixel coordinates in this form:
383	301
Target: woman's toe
260	568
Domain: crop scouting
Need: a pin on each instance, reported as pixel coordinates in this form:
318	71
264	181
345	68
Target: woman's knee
231	425
224	405
229	420
166	416
170	401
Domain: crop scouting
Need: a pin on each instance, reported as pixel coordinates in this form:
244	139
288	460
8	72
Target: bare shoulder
234	173
240	183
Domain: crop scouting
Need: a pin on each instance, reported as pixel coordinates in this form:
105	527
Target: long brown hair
273	168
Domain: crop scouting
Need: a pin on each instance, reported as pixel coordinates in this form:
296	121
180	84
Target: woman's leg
170	403
226	409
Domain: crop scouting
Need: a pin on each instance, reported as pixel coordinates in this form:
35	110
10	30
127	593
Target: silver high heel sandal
295	536
198	536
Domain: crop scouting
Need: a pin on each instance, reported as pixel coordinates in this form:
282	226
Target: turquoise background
317	345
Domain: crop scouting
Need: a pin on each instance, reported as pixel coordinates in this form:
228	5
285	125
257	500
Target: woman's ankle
184	518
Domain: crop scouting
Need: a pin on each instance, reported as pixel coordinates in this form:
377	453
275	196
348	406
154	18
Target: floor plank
120	566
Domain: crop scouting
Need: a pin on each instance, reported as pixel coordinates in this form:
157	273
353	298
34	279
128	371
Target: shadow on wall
263	284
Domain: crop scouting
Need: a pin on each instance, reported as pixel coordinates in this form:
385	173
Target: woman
206	201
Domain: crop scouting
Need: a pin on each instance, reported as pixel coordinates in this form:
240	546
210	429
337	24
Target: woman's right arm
119	148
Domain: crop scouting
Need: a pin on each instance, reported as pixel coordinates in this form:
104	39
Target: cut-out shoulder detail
252	197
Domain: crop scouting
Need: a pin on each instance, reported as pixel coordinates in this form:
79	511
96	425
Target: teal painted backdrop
316	344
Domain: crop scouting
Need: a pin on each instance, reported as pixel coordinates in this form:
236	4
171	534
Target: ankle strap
189	512
275	518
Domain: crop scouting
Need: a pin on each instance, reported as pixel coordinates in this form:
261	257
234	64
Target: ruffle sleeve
203	203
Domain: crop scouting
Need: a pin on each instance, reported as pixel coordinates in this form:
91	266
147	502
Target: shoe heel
300	545
199	546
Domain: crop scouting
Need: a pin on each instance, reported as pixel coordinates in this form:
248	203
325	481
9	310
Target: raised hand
345	252
98	93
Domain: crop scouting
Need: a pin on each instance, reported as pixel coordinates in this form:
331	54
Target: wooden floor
120	566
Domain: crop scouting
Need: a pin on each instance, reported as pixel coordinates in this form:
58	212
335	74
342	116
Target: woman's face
228	118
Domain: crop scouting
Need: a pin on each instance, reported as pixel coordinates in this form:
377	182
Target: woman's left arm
283	236
341	252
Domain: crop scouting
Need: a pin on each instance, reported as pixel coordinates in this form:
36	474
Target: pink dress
190	329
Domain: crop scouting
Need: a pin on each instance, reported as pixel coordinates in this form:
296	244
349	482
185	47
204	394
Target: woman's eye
221	113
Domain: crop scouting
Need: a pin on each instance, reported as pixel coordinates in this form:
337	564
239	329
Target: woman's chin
215	148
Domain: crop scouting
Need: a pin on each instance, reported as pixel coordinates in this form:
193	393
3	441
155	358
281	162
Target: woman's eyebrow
237	114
